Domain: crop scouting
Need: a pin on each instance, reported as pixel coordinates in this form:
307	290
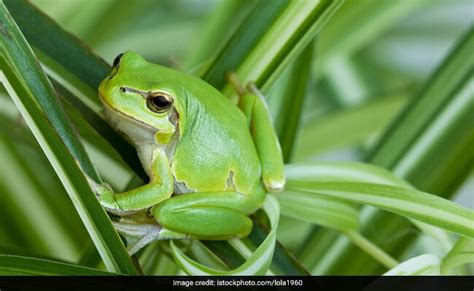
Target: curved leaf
462	253
406	202
420	265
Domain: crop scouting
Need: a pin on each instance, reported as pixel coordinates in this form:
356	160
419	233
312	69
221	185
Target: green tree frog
210	161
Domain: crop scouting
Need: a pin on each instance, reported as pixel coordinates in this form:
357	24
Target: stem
371	249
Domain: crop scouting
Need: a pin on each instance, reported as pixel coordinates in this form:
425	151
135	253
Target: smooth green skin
224	157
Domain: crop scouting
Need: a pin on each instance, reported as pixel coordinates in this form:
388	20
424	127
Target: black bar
314	283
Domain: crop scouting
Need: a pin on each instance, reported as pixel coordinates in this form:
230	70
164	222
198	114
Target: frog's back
216	150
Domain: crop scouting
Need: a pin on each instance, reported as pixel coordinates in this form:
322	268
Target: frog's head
140	93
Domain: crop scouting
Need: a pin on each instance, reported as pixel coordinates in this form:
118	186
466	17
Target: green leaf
323	211
406	202
288	117
288	36
257	264
420	265
16	265
357	23
30	89
226	17
358	124
462	253
254	26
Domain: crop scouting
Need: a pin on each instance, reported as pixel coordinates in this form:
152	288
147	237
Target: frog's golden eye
159	102
117	59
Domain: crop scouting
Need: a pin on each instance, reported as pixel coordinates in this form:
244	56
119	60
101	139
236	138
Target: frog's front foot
105	194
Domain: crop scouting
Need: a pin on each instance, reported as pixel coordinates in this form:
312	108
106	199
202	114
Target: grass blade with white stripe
17	265
410	203
26	83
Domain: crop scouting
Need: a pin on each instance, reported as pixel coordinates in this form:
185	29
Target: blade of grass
358	124
327	212
235	50
27	84
225	18
16	265
359	22
406	202
284	262
288	36
291	102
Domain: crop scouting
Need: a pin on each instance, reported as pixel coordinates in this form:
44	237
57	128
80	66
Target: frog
210	161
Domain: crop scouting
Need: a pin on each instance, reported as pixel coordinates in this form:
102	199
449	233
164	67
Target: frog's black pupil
117	59
160	101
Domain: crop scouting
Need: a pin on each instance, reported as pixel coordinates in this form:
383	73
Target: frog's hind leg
210	216
138	235
253	105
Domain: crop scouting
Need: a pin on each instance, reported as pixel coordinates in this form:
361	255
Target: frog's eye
117	59
159	102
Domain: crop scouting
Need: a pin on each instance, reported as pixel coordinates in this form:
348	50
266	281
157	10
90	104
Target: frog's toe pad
274	185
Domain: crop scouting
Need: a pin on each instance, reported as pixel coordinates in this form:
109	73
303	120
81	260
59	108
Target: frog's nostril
117	59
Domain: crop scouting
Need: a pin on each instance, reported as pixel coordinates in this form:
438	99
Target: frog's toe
274	185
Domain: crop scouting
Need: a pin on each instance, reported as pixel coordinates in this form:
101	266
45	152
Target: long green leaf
358	125
16	265
406	202
26	83
254	26
323	211
288	118
226	17
288	36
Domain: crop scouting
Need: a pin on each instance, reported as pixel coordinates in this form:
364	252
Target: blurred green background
369	60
